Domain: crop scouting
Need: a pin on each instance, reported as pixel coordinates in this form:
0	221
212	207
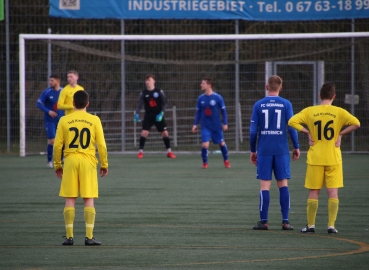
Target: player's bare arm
103	172
347	130
295	154
53	114
253	158
59	173
307	132
194	128
338	141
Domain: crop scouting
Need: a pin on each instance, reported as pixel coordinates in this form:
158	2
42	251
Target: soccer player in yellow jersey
324	124
80	133
65	101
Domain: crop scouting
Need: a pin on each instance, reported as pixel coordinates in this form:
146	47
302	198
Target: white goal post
24	37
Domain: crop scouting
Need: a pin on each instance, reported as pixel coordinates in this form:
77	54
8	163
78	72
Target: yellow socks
312	208
69	214
89	214
332	211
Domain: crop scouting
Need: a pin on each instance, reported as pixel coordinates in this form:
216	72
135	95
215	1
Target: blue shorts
279	164
216	136
51	129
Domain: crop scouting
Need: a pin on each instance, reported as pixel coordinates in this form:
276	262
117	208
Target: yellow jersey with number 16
324	123
80	133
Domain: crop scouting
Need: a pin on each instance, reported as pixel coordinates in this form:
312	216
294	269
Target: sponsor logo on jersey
271	132
152	103
272	105
324	113
208	111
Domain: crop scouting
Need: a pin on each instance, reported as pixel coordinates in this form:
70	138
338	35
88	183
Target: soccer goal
112	69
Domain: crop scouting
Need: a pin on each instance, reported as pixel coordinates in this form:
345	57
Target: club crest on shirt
156	94
212	102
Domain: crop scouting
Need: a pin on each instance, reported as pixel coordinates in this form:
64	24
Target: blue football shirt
209	108
48	101
269	125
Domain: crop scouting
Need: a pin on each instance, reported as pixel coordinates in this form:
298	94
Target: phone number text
318	6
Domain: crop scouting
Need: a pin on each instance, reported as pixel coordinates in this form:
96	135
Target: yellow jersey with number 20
80	132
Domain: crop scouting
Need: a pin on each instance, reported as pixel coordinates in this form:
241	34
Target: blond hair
73	72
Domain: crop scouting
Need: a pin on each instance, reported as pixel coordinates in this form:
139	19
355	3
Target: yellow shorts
79	176
316	175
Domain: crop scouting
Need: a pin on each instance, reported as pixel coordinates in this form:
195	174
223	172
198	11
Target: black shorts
150	120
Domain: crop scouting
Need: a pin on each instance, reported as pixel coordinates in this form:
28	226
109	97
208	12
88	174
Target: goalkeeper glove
159	117
137	118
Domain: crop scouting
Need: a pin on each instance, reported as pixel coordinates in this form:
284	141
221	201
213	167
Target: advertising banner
253	10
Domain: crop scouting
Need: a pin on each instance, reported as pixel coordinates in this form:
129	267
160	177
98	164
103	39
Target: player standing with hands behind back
155	104
208	108
324	124
269	120
80	133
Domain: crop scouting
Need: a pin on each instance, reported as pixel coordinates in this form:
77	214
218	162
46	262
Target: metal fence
179	67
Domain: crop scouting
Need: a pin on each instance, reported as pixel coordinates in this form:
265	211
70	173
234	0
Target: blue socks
224	152
264	205
49	152
204	155
284	200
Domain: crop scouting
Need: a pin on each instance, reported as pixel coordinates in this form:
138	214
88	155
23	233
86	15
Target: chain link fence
179	67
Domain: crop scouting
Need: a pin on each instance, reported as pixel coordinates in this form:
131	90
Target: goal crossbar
193	37
24	37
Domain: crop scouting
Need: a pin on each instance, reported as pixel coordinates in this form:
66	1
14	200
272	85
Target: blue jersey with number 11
269	124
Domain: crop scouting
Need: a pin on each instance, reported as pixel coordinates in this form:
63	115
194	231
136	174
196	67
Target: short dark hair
209	81
55	76
80	99
73	71
327	91
274	82
148	76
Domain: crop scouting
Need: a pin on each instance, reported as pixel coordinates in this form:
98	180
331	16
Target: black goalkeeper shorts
150	120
